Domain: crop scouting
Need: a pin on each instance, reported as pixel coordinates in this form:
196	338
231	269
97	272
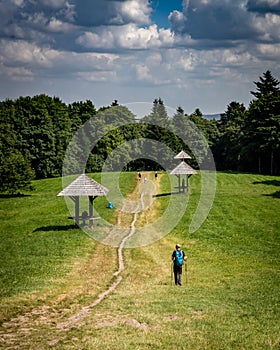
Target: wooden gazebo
183	169
182	155
84	186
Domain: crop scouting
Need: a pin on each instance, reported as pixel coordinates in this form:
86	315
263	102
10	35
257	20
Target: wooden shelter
183	169
84	186
182	155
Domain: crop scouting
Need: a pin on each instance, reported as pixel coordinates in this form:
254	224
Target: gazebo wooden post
183	185
90	211
75	199
77	210
179	183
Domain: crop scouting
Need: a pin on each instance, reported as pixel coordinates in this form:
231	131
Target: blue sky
162	9
191	53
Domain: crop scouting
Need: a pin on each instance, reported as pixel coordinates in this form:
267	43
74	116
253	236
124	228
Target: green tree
261	140
227	150
15	171
80	112
61	124
111	128
268	85
157	127
261	136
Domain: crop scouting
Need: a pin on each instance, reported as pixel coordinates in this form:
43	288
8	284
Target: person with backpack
178	257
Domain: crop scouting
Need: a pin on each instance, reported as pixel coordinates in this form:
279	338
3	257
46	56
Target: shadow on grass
56	228
167	194
15	195
276	194
268	182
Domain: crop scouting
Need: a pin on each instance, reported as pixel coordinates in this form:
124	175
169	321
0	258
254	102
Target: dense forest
35	133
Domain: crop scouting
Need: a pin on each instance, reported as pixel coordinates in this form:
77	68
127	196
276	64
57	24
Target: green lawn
231	300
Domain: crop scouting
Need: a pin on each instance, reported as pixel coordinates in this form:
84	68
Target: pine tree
268	85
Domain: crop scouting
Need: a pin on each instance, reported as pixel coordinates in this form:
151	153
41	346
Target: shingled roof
182	169
84	186
182	155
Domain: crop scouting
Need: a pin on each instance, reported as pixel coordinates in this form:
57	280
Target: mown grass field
51	270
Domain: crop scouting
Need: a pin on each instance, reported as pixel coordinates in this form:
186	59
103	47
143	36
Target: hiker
139	175
155	175
178	257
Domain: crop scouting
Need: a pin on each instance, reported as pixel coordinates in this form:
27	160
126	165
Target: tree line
35	133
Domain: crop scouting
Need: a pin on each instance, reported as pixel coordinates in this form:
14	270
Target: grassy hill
51	272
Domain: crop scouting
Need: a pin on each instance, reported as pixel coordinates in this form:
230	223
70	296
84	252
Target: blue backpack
179	257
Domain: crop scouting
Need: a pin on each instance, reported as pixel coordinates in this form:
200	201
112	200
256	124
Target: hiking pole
186	270
171	275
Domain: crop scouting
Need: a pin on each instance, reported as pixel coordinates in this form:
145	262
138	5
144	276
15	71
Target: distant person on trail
155	175
178	258
139	176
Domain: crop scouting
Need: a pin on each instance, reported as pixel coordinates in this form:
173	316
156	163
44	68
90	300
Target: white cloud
138	38
136	11
19	3
22	52
214	48
142	72
270	54
92	40
90	61
55	4
97	76
213	20
269	27
128	37
148	74
188	62
36	19
23	57
19	74
154	59
177	20
112	12
57	26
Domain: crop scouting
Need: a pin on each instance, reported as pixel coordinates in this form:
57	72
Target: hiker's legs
179	279
178	274
175	274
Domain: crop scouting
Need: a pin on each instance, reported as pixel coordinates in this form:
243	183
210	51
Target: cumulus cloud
22	52
128	36
264	6
56	4
136	11
19	3
227	22
120	42
97	76
19	74
107	12
271	52
269	27
213	19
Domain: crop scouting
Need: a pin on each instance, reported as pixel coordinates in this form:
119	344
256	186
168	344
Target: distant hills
212	116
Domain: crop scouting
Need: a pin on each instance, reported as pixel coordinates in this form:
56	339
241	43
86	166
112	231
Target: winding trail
145	189
76	320
22	326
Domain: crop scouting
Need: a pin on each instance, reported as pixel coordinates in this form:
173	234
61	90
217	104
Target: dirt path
19	330
144	188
